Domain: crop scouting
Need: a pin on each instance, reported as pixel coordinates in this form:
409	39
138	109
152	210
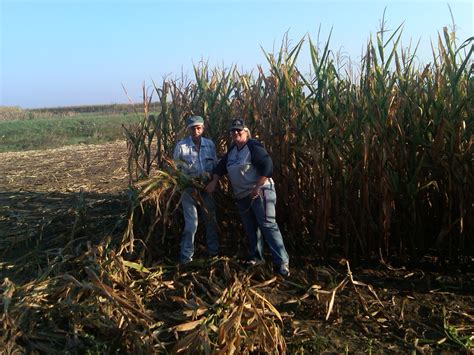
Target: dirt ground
40	190
425	308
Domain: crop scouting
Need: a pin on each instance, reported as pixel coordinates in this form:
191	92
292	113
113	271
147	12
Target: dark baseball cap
237	123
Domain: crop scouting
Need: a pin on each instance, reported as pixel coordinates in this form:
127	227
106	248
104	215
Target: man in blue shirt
196	157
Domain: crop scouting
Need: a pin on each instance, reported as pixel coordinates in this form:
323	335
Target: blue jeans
259	217
206	207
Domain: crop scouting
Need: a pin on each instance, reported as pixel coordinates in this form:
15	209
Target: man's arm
219	170
211	186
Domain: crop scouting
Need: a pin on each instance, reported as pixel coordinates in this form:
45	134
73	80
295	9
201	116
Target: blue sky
61	53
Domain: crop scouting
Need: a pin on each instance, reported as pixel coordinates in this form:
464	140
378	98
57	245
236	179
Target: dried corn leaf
185	327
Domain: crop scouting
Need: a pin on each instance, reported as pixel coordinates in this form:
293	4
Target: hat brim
236	127
195	124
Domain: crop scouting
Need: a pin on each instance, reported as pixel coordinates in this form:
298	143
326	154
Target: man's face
196	131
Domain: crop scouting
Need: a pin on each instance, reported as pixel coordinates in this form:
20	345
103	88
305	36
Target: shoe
252	262
284	270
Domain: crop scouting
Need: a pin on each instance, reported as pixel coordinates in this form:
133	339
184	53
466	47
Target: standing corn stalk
372	163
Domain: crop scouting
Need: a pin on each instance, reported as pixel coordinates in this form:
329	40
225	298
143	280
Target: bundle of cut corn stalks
158	196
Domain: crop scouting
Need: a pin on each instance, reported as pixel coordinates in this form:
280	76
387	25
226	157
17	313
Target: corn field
375	161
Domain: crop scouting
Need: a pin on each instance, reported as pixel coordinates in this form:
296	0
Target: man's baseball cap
237	123
194	121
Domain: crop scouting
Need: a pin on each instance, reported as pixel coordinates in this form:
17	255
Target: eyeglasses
235	130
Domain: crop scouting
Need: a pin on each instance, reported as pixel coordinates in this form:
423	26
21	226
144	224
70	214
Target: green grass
20	135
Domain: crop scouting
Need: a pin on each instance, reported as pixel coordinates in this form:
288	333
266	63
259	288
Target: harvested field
67	169
40	190
64	287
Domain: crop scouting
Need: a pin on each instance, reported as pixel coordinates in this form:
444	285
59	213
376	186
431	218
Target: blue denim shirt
194	162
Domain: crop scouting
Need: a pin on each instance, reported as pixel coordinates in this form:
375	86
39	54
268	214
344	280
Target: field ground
382	309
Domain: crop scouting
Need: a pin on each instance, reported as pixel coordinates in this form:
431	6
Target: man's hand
255	193
205	177
211	186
